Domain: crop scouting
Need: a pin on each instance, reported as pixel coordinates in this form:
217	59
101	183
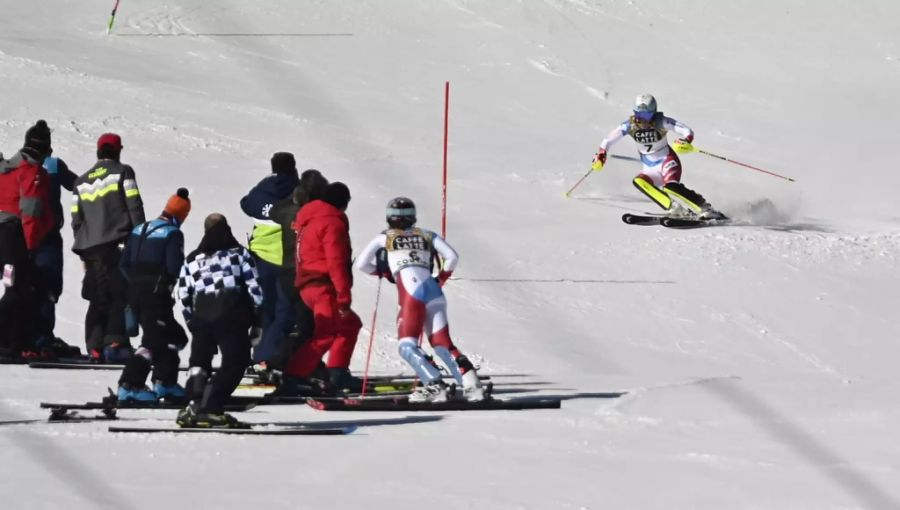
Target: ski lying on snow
402	404
685	223
81	365
642	219
64	412
255	430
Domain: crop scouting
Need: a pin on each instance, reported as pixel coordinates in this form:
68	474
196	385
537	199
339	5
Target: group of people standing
293	283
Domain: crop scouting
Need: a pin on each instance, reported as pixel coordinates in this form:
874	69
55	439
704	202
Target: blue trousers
278	312
49	263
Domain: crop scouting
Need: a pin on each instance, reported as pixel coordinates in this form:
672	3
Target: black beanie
283	162
337	194
37	138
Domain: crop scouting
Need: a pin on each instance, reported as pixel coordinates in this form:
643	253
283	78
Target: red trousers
331	333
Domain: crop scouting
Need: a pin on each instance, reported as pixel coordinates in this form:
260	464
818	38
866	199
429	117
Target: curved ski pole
371	337
589	172
751	167
686	148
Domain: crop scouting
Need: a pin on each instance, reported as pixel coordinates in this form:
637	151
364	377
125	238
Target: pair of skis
671	222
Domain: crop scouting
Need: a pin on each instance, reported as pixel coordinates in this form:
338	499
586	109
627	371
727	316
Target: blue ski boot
128	393
172	392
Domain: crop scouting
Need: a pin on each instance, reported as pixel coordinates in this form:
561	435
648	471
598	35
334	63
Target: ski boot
117	352
129	393
172	392
190	417
434	392
709	213
54	348
187	417
341	381
293	386
472	390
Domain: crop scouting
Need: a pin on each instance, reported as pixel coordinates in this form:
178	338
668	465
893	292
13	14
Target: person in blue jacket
266	248
49	263
151	263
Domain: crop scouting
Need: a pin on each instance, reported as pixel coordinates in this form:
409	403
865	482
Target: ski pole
589	172
371	337
112	18
685	148
751	167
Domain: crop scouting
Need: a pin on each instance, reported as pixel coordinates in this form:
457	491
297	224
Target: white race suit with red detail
661	164
410	259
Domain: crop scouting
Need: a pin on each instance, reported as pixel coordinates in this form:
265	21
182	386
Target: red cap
109	139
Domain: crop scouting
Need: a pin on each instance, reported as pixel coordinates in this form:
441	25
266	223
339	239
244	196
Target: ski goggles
644	116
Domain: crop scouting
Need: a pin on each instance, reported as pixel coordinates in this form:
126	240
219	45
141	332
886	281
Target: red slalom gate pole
371	338
444	187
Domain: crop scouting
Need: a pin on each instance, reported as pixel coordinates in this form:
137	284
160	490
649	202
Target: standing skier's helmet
644	107
401	213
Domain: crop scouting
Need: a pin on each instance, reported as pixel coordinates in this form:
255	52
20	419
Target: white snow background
760	361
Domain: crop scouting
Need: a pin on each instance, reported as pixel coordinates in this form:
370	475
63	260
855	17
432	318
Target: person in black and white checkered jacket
221	297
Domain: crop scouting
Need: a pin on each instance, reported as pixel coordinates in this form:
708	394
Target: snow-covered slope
759	360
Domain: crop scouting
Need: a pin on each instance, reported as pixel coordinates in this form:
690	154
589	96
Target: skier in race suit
660	178
405	255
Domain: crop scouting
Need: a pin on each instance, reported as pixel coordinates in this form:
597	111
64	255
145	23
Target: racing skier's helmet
644	107
401	213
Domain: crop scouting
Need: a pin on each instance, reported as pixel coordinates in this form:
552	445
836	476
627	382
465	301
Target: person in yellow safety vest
266	248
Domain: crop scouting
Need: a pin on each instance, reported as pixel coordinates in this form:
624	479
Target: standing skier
106	207
25	220
660	178
265	245
324	280
49	262
405	255
152	263
220	295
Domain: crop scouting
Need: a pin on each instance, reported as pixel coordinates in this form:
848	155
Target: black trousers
163	338
104	287
231	338
19	306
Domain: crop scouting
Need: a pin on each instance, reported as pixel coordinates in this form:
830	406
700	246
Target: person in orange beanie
151	263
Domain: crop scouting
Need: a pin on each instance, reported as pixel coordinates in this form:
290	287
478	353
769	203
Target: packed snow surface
759	359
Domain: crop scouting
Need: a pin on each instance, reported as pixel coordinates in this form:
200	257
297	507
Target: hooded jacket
25	195
266	240
323	249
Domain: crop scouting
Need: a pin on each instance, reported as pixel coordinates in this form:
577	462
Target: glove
255	334
344	311
683	145
599	160
442	277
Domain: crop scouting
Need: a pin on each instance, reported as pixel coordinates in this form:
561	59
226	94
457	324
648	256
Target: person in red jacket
324	281
25	219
